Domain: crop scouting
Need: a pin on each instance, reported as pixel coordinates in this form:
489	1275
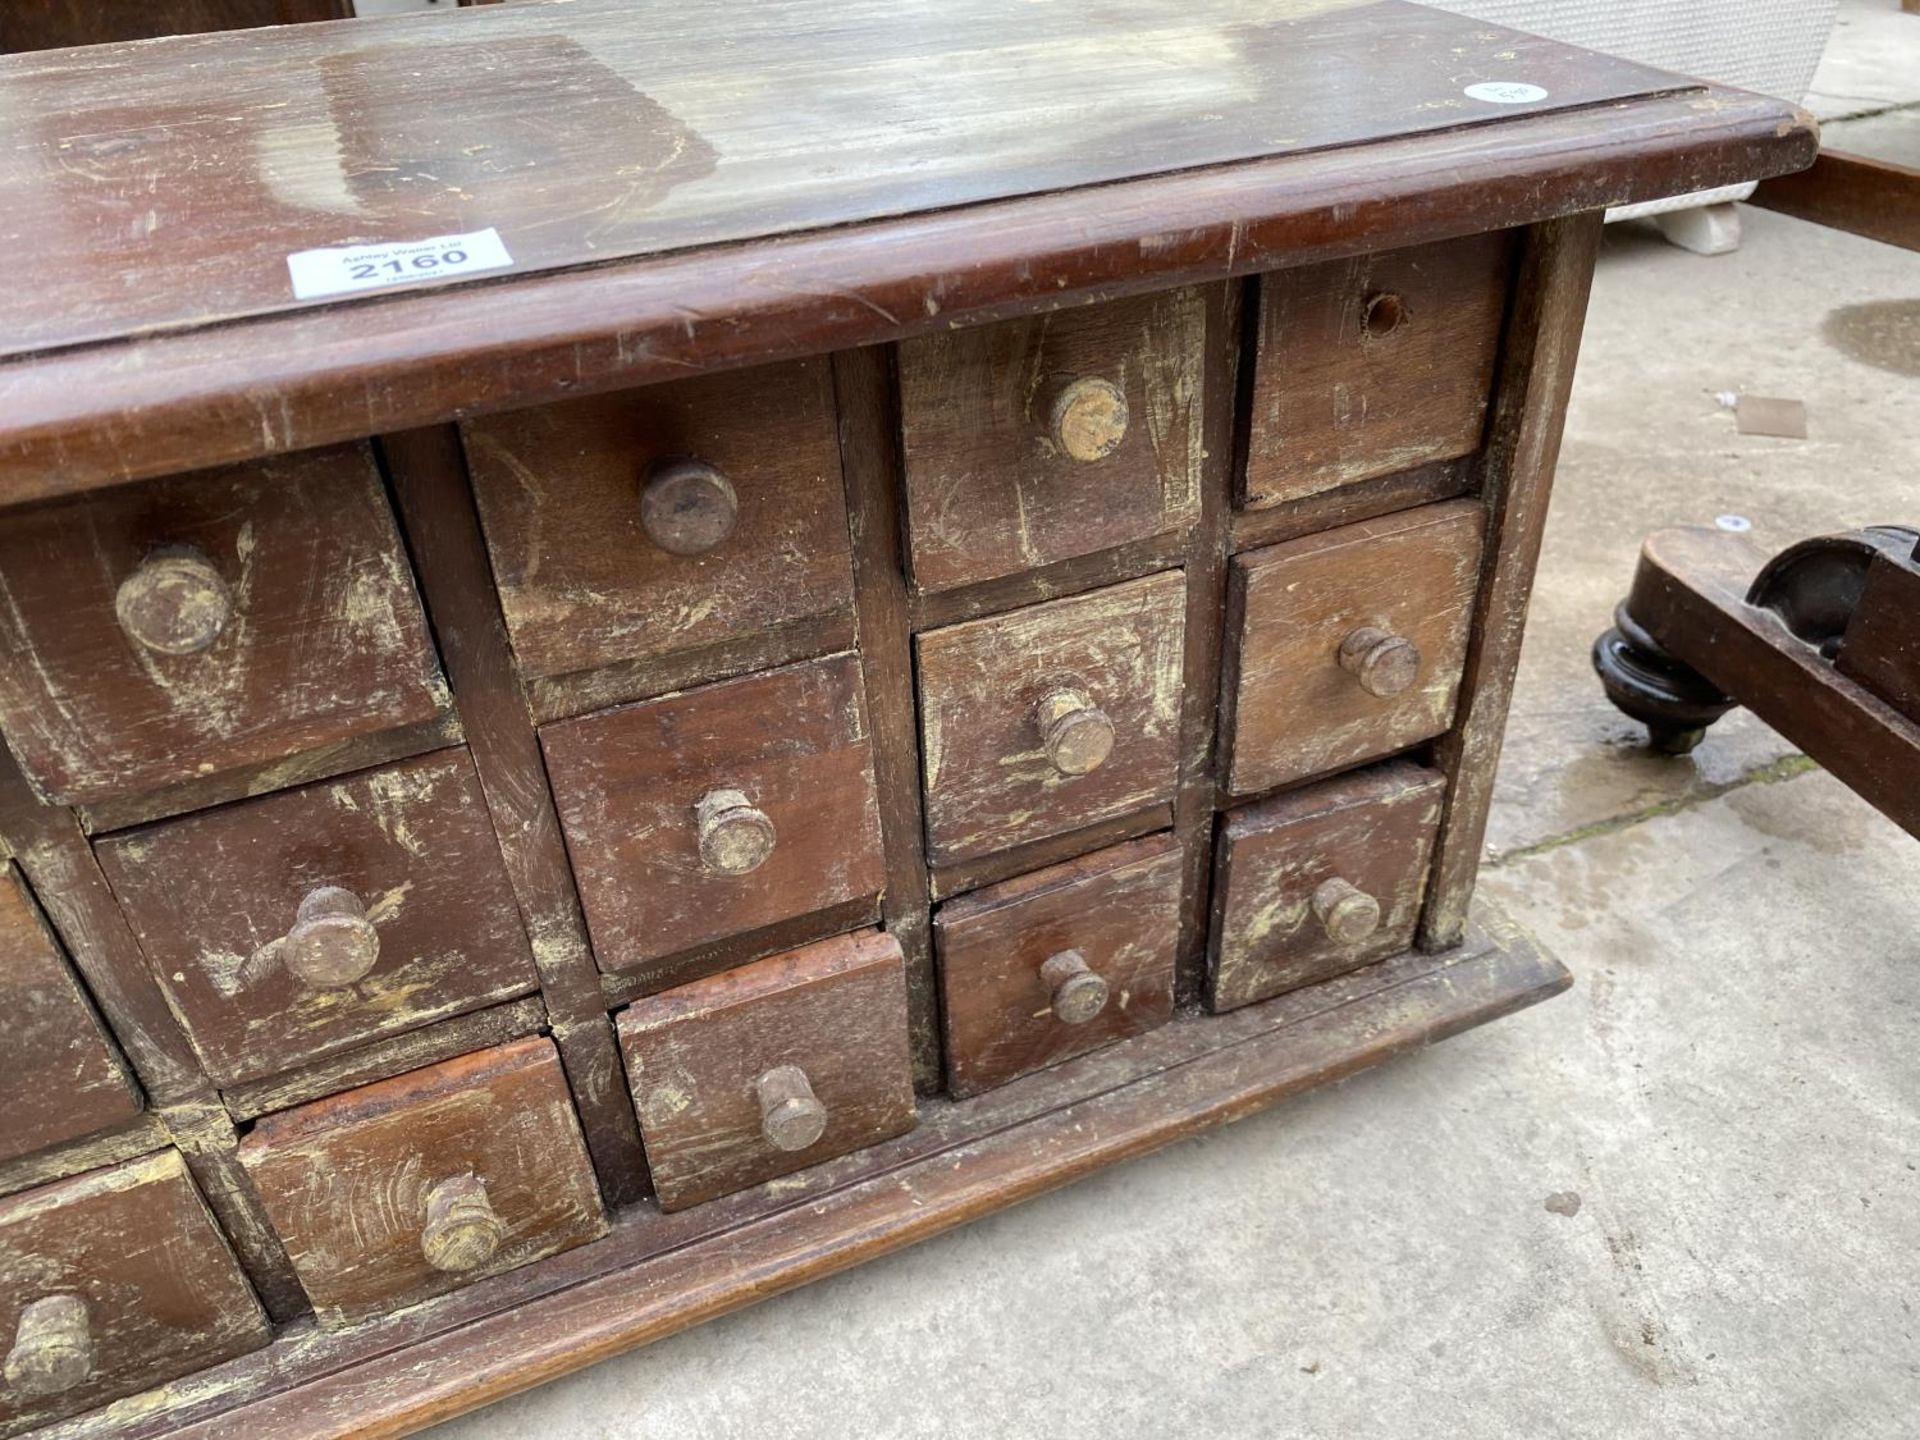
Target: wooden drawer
409	1187
760	1071
718	811
302	924
1038	440
1051	718
204	624
1371	365
1348	645
628	526
60	1073
1037	970
112	1282
1320	881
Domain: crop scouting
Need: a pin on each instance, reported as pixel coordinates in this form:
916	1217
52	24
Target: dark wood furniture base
658	1274
1822	642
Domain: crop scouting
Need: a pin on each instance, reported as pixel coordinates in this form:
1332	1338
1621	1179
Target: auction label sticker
347	268
1505	92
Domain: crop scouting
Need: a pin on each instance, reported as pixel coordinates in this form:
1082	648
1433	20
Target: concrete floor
1680	1200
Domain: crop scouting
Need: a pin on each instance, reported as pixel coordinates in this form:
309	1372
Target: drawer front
1349	644
757	1072
1054	964
60	1073
413	1186
667	519
204	624
718	811
112	1282
1320	881
298	925
1368	366
1038	440
1051	718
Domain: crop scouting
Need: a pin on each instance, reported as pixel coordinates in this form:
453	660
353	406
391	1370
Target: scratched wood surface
988	778
161	1291
1296	711
325	639
794	744
990	490
346	1180
1119	908
594	129
1881	648
655	1275
581	582
62	1075
1374	365
213	898
836	1010
1372	829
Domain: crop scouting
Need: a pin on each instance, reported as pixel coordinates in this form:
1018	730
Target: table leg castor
1674	701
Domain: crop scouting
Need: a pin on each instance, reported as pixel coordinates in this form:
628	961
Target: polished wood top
162	184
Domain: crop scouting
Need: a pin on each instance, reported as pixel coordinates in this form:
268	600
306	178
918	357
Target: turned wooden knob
174	604
1385	663
736	837
687	506
52	1348
1346	912
1077	733
1087	419
1078	994
332	942
791	1117
462	1232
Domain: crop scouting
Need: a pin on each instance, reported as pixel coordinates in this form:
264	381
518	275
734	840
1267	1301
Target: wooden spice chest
647	650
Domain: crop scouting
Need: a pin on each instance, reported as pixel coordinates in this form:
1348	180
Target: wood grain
865	394
48	24
582	583
988	780
563	127
1296	711
794	744
1373	365
651	1280
1516	479
443	529
326	639
990	492
213	898
161	1291
62	1074
168	403
1372	830
346	1179
837	1011
1119	909
1881	648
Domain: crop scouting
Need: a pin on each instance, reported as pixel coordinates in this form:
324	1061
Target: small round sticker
1737	524
1505	92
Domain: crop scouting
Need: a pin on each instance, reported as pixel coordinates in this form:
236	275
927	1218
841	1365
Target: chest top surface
162	184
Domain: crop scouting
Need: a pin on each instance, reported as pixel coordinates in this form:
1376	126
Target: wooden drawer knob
332	942
1087	419
736	837
174	604
1347	913
687	506
1077	733
791	1116
1385	663
462	1232
53	1347
1078	994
